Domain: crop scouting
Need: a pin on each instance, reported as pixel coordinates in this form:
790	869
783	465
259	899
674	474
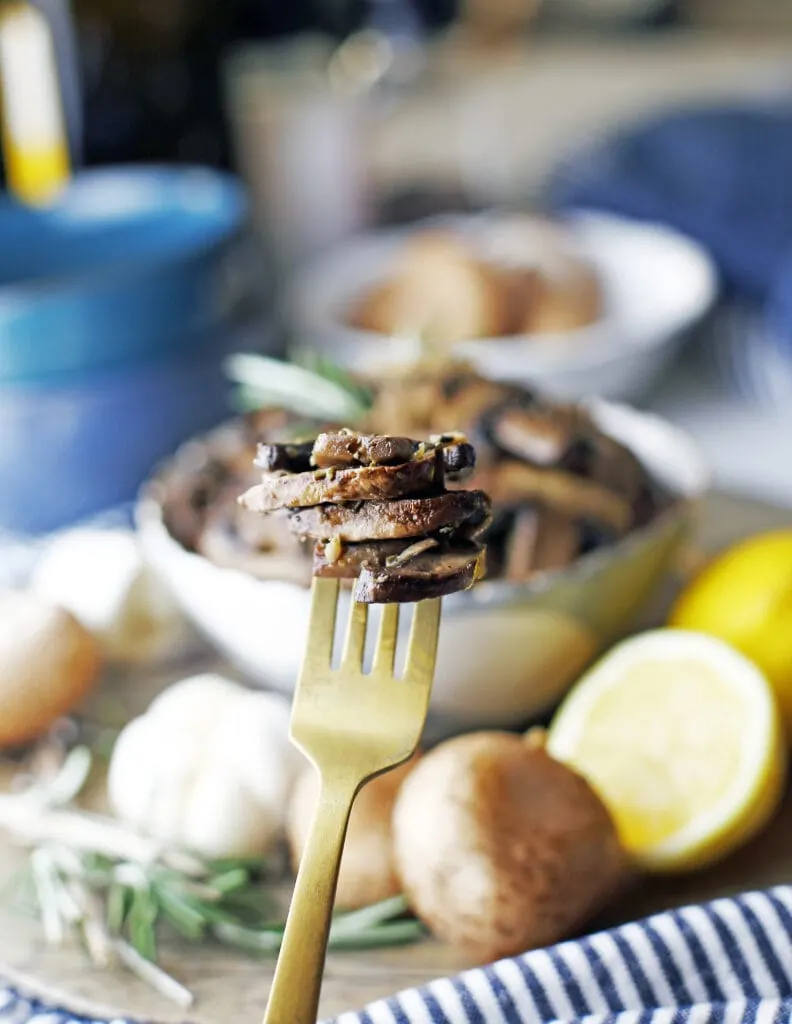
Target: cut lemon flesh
680	736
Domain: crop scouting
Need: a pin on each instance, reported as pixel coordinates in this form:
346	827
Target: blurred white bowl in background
656	285
508	651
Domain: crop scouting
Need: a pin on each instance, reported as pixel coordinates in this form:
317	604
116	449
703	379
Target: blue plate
128	264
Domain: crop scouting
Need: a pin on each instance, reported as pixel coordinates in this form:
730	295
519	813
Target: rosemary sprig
119	893
317	389
326	368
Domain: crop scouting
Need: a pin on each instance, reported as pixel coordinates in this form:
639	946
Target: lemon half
681	737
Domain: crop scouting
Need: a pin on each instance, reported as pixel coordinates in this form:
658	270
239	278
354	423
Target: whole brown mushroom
48	664
501	849
367	871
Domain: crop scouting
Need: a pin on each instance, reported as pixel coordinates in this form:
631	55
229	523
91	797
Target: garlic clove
101	578
209	766
267	758
222	819
197	701
131	790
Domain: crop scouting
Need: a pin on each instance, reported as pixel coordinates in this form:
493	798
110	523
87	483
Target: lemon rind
745	808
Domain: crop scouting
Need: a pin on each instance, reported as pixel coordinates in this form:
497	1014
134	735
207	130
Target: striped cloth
725	962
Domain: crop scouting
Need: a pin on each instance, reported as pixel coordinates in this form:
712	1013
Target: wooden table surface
233	987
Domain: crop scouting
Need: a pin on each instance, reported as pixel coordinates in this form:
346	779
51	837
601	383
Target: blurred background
237	171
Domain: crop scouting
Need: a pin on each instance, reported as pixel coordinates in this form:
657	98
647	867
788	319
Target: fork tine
422	651
321	629
385	654
355	643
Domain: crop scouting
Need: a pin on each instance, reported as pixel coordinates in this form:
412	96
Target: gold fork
352	726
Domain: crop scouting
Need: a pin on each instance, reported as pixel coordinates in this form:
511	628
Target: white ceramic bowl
507	651
657	284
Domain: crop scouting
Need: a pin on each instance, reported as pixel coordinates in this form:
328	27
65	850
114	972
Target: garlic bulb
100	577
209	767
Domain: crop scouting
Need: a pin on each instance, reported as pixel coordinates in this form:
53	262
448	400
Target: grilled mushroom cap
392	520
327	486
500	848
432	574
347	448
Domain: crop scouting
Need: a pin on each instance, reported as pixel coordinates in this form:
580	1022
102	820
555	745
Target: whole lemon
744	596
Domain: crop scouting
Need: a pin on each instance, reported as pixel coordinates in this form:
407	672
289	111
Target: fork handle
294	996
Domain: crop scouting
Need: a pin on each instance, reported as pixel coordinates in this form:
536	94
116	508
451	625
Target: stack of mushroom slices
378	511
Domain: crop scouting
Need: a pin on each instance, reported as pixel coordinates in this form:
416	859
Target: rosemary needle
155	976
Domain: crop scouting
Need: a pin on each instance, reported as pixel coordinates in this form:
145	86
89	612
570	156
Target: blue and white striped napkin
725	962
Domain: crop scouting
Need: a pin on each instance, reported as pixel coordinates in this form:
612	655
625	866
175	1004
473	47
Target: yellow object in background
681	737
34	137
744	597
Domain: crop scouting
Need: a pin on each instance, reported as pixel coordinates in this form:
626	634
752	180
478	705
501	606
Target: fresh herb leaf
372	915
368	928
229	881
397	933
318	392
118	902
324	367
186	918
253	940
254	865
141	919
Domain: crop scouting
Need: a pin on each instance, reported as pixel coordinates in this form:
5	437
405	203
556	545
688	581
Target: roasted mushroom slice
533	433
392	520
601	458
262	546
432	574
335	559
463	397
347	448
187	497
512	483
323	486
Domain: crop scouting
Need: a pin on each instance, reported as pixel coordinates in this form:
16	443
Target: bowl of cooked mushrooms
590	303
578	510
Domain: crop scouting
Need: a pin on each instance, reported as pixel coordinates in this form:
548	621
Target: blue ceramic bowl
70	450
129	263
